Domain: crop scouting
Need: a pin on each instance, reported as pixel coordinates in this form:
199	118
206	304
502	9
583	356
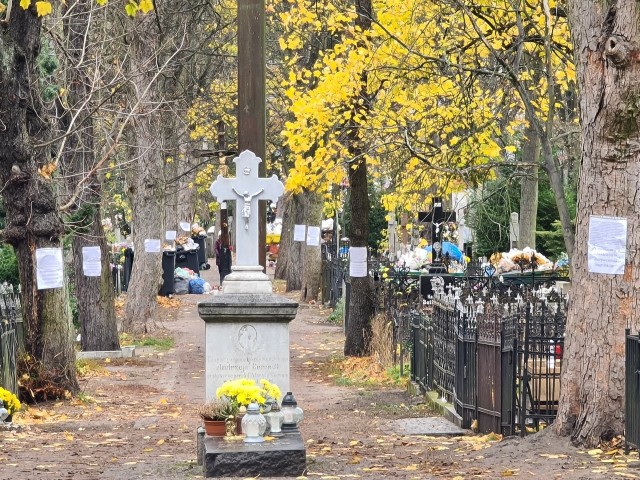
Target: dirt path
136	419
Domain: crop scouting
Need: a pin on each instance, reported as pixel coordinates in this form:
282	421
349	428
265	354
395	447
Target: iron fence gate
422	358
493	350
333	275
489	363
632	391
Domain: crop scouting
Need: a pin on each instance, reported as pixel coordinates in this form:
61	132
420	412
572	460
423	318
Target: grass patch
85	398
161	342
400	379
363	372
89	366
337	316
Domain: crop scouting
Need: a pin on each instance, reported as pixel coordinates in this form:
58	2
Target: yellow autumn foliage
440	104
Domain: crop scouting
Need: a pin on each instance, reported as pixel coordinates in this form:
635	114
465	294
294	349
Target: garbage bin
202	251
224	263
168	268
188	259
128	265
116	276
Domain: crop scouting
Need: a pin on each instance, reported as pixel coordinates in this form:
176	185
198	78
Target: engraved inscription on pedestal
246	350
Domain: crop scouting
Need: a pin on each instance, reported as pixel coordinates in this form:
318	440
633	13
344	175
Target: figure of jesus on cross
247	180
246	206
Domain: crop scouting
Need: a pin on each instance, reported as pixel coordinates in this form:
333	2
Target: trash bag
196	286
181	273
180	286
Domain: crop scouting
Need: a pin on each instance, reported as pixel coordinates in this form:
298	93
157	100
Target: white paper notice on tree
185	226
358	254
170	235
358	269
313	236
358	262
299	233
607	244
152	245
49	270
91	262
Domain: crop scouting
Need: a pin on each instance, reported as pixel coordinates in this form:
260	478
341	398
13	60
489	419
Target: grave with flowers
247	347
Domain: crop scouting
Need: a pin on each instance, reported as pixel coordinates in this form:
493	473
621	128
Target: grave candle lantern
253	424
292	414
274	419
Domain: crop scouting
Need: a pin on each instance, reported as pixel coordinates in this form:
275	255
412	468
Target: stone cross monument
247	326
246	189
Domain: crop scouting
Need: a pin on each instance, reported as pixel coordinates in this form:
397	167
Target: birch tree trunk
606	37
32	217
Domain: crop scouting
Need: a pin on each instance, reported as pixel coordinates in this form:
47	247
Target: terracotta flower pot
214	428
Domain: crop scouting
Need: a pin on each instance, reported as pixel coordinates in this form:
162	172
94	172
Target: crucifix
247	187
438	217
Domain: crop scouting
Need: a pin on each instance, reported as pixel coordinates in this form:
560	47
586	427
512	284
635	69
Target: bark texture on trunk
31	209
529	189
361	303
290	253
146	186
311	256
95	295
602	306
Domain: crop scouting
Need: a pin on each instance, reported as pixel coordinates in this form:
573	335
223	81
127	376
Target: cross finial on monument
248	188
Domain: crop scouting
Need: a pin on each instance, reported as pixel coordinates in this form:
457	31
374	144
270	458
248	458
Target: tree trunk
358	341
361	301
558	186
32	217
592	395
96	298
290	253
529	189
147	185
185	209
180	172
311	257
95	295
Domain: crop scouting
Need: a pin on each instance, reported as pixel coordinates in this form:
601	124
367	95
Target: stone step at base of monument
230	457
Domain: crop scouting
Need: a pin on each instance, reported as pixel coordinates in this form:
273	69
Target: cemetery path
135	419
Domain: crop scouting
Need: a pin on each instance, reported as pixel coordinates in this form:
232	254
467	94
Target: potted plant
9	402
214	415
243	391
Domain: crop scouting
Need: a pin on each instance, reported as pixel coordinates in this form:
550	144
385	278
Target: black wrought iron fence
11	335
494	350
632	391
333	274
400	303
535	328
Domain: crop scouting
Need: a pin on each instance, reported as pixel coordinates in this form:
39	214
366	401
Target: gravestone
247	333
247	326
437	217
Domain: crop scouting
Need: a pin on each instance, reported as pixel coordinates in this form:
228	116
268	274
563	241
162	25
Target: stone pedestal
247	332
231	457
